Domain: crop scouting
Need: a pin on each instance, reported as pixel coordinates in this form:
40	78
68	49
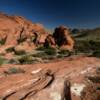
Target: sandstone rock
40	38
14	28
63	38
49	41
23	34
59	90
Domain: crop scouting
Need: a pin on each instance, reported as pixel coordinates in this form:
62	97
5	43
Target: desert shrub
95	45
41	48
96	53
82	46
2	60
11	49
50	51
14	70
64	52
40	54
2	41
21	52
87	46
13	61
26	59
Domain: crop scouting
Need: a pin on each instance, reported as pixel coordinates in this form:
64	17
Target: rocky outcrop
63	38
27	90
40	38
58	90
50	42
17	31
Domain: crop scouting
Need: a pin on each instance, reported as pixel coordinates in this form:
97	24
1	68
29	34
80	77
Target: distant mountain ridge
87	34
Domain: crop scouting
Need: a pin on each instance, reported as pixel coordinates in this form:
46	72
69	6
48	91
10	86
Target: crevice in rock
7	96
67	91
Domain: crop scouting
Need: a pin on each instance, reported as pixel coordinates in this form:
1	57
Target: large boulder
63	38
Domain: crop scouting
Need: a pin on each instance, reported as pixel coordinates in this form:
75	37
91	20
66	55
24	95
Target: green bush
64	52
50	51
2	41
41	48
11	49
40	54
96	54
21	52
14	70
47	51
82	46
2	60
13	61
26	59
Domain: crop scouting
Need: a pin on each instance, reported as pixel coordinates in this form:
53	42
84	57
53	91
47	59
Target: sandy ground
72	68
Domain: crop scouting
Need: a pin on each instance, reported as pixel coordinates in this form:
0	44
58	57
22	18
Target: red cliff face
16	30
13	28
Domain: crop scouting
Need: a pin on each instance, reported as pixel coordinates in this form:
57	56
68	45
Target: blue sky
52	13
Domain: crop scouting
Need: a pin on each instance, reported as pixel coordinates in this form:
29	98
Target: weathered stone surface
50	42
63	38
47	81
58	90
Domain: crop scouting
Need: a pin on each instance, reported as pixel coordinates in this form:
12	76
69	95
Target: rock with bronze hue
21	33
16	29
40	38
58	90
49	41
63	38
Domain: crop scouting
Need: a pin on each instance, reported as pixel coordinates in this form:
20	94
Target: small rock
36	71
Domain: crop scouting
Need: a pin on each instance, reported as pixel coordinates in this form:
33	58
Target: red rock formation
16	27
49	41
40	38
14	30
63	38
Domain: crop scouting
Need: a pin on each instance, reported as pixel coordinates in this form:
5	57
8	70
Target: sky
52	13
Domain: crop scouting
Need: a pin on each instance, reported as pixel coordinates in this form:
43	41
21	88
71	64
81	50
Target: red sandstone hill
16	31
